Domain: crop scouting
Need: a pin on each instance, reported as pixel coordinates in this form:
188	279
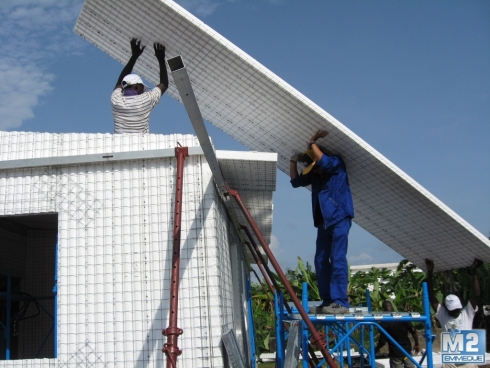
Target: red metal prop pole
172	332
261	267
262	263
316	338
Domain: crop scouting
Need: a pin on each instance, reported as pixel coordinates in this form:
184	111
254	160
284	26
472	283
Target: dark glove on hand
136	49
159	51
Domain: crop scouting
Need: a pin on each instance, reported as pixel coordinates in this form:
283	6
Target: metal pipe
251	331
55	291
304	331
311	351
9	311
261	268
348	332
316	337
267	269
279	326
186	92
428	327
170	348
372	351
262	285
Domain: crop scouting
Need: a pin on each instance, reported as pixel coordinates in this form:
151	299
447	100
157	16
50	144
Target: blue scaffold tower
352	329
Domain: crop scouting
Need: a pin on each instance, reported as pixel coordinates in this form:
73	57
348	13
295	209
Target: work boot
318	309
335	308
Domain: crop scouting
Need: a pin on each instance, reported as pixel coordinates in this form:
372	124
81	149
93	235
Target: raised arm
293	165
316	150
476	285
160	55
430	285
136	51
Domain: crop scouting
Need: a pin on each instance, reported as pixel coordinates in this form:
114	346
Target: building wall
115	223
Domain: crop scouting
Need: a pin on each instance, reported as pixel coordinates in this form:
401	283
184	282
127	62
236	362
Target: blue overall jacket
331	197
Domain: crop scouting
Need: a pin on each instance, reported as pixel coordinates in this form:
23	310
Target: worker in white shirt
131	100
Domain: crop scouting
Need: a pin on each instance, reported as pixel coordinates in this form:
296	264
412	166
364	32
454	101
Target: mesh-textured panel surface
115	228
250	174
250	103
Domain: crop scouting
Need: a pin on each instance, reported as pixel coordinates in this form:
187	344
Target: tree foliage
403	287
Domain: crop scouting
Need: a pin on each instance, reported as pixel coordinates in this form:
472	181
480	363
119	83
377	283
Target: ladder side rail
316	338
251	324
262	270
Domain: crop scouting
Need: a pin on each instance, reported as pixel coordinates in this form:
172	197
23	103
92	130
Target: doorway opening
28	250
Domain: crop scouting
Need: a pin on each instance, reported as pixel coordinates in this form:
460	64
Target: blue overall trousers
331	261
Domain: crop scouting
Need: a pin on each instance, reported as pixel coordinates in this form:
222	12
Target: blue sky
411	78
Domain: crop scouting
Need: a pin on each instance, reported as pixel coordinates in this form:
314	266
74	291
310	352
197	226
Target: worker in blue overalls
333	211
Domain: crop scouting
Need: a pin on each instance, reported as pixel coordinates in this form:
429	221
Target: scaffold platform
344	332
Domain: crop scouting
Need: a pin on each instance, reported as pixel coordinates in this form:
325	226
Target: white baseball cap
131	80
452	302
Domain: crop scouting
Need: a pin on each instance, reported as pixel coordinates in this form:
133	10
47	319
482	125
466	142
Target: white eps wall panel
115	223
253	105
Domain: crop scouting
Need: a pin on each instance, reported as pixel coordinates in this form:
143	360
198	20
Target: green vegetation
405	285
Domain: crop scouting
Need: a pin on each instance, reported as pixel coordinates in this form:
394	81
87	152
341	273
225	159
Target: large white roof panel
253	105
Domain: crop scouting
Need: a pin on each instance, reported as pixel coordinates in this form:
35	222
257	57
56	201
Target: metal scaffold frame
342	326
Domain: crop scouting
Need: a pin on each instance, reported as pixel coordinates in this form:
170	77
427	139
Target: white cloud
274	245
21	89
360	259
203	8
34	33
200	8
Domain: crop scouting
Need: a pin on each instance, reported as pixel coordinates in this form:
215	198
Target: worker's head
387	306
453	305
309	161
133	82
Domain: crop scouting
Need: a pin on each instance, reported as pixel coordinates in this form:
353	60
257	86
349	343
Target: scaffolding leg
304	334
428	327
280	335
253	352
372	352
